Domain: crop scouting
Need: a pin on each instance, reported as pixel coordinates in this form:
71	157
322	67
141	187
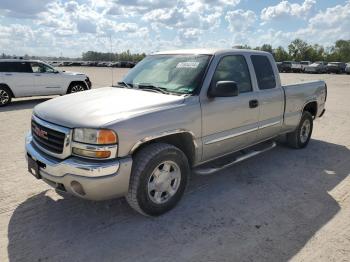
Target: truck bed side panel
297	96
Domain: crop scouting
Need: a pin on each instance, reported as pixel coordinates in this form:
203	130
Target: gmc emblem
40	133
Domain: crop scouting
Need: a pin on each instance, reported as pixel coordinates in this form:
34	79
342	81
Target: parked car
336	67
318	67
304	64
279	66
75	63
347	69
174	112
291	66
21	78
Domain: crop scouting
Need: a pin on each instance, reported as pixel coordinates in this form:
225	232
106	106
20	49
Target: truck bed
298	95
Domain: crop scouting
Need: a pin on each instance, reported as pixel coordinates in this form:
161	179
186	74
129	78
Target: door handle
37	74
253	103
8	74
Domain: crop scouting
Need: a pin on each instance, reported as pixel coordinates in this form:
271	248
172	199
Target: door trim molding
215	140
270	124
230	136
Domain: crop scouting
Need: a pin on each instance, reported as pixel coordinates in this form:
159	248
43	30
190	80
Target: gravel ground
282	205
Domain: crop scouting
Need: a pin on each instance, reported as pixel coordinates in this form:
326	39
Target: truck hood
97	107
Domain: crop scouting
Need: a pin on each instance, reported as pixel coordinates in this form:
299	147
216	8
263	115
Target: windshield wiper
122	83
152	87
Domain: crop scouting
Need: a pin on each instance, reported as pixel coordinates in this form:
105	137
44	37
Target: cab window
264	72
234	68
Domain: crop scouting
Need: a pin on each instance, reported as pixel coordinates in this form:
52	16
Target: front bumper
88	179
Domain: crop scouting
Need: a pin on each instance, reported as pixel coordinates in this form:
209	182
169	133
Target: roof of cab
208	51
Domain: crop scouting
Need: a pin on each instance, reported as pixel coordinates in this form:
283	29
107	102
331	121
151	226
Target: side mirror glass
224	89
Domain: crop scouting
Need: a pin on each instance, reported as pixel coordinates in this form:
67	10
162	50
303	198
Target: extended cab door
229	123
17	75
270	96
47	80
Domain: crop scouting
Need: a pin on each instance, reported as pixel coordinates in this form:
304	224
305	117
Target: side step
230	160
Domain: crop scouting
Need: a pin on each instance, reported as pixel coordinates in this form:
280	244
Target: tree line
113	57
299	50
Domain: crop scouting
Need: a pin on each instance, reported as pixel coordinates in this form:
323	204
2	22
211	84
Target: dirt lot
283	205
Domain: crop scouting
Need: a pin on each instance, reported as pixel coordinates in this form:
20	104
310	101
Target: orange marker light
106	137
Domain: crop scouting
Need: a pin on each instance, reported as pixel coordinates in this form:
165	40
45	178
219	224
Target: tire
75	88
300	137
5	96
145	192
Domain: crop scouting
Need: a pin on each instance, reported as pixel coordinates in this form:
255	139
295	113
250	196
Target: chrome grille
50	138
47	138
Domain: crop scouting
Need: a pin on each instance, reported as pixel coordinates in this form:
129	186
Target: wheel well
9	89
311	108
183	141
77	82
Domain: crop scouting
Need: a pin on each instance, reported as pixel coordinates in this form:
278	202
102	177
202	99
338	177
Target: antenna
110	39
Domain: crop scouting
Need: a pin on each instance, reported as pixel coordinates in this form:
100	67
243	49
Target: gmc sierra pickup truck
174	114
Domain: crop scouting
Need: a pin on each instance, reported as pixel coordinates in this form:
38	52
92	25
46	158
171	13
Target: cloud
240	20
23	9
327	26
285	8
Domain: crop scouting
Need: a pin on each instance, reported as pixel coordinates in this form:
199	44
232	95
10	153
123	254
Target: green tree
298	49
266	48
281	54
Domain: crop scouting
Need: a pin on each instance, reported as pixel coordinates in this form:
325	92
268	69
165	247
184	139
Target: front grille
47	138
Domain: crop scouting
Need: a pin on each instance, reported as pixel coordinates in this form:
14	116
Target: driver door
230	123
47	80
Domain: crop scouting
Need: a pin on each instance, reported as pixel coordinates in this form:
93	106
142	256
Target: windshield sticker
187	65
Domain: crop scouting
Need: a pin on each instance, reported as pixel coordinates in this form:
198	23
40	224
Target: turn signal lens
91	153
106	137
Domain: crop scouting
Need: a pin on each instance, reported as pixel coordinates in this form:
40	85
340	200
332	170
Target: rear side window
264	72
234	68
15	67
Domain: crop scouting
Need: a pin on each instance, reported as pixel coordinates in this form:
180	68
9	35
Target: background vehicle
318	67
279	66
347	69
336	67
290	66
21	78
304	64
174	112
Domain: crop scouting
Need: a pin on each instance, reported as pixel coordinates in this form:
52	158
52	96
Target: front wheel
158	179
300	137
5	96
75	88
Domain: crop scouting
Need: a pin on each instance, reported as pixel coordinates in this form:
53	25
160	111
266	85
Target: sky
68	28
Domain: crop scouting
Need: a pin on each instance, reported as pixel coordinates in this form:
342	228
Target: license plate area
33	167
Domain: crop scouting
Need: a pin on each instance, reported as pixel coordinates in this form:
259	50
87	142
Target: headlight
95	136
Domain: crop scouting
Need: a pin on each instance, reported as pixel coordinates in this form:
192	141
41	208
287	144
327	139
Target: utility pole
110	39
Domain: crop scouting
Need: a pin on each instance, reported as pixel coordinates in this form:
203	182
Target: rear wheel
76	87
158	179
5	96
301	136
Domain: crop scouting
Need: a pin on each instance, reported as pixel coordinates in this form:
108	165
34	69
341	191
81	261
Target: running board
232	159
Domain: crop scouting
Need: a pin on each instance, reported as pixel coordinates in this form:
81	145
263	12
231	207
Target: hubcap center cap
163	181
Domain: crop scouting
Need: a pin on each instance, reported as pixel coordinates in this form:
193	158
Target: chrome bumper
96	180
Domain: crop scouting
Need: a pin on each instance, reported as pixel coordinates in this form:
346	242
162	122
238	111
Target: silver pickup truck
174	114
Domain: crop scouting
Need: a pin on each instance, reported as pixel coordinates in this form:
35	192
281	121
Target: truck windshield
180	74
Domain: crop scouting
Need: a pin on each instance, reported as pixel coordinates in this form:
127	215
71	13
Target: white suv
21	78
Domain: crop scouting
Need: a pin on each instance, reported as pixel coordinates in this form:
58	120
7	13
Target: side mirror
224	89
